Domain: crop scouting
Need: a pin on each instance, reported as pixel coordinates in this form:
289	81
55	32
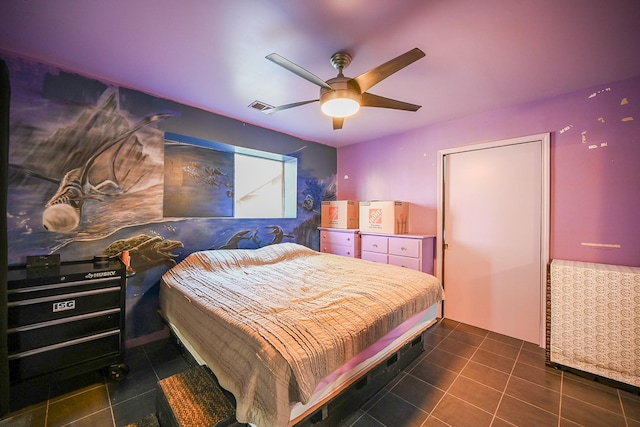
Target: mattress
272	323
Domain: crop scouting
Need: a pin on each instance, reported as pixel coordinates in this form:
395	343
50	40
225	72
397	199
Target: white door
494	227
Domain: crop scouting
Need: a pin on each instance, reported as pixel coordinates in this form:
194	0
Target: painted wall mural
87	175
200	177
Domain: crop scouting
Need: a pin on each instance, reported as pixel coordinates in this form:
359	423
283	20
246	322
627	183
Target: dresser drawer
374	256
347	251
336	238
411	251
371	243
403	261
404	247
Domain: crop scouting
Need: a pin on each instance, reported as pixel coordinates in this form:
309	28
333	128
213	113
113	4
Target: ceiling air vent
260	106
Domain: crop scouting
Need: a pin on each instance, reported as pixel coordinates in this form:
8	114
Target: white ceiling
480	54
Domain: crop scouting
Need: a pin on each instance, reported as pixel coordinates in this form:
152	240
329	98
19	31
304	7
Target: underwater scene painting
87	176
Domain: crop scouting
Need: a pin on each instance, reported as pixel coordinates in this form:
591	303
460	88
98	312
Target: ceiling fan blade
370	100
374	76
287	106
296	69
338	122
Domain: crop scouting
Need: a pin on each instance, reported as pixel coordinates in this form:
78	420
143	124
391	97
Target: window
209	179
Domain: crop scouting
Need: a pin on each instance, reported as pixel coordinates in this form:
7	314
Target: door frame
544	139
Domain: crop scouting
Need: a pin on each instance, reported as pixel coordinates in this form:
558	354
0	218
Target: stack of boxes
384	217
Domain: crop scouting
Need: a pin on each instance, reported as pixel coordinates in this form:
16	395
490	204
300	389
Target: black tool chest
66	321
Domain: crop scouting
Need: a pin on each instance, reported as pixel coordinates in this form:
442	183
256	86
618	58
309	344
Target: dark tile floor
471	377
95	400
466	377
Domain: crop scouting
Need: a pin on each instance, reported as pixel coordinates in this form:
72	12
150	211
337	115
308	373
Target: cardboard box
387	217
340	214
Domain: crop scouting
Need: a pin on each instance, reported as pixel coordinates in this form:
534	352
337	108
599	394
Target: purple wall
595	167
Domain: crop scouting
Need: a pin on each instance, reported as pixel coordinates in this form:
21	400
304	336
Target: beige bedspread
276	320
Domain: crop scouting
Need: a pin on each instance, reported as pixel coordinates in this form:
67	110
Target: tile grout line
591	404
561	397
83	418
104	384
624	415
459	374
153	366
386	392
504	392
429	414
409	373
46	412
113	417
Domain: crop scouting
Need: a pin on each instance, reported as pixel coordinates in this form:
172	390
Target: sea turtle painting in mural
146	251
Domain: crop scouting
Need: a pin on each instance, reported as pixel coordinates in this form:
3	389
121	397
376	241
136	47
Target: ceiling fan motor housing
341	87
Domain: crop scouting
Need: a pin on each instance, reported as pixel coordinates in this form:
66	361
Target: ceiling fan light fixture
340	107
340	103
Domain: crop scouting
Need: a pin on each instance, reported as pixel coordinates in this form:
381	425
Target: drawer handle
348	239
403	248
375	245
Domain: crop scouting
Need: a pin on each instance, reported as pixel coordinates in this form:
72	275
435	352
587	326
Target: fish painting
258	237
117	163
63	212
208	175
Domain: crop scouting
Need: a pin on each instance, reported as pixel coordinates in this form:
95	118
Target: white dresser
405	250
340	241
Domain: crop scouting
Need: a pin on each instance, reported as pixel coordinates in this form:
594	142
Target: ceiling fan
343	96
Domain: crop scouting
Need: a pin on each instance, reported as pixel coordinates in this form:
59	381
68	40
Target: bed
283	326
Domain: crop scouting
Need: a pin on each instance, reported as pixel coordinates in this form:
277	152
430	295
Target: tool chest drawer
25	338
26	312
74	356
65	320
